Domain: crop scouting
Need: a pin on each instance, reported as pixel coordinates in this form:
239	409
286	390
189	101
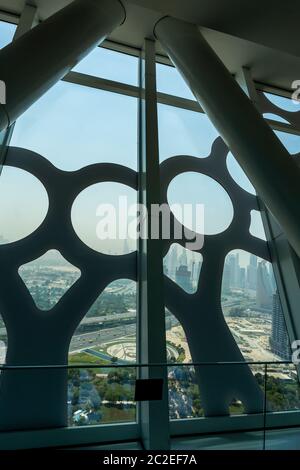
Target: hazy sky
74	126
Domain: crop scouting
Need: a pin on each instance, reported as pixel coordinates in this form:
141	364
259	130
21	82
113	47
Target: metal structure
35	61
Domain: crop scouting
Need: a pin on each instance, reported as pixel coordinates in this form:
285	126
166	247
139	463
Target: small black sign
148	389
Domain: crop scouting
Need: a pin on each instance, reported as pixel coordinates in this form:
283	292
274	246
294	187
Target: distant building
264	290
242	278
252	273
279	340
172	258
226	278
184	278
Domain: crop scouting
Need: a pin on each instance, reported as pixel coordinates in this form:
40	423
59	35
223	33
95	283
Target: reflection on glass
283	388
3	342
185	396
101	396
183	132
75	126
171	82
111	65
84	123
106	335
252	307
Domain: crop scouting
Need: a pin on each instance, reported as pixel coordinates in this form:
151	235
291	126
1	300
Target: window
68	255
79	153
7	31
197	168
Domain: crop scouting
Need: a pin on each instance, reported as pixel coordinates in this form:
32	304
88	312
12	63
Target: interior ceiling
261	34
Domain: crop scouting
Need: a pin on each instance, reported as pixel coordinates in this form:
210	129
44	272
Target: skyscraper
264	290
183	278
279	340
252	273
173	256
233	261
226	278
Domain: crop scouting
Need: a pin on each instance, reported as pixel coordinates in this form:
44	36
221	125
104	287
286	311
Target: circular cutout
23	204
275	117
283	103
104	218
200	203
238	175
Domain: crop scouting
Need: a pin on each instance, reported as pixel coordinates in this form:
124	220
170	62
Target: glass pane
185	398
170	81
101	396
106	335
86	126
252	308
111	65
240	288
183	267
72	126
183	132
283	388
7	31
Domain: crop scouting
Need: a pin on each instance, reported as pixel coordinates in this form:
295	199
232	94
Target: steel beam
39	58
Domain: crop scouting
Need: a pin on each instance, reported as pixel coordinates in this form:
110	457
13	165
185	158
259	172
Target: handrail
140	365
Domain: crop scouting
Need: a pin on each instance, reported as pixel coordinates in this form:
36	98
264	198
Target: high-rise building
242	278
184	278
279	340
173	256
226	278
264	290
233	261
252	273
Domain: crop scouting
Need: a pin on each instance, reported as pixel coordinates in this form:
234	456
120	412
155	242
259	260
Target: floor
279	439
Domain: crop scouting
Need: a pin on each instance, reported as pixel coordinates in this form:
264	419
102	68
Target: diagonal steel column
37	60
264	159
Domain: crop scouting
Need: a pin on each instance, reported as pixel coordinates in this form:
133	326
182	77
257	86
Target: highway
100	337
97	338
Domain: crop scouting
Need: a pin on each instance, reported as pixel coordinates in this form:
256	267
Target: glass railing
105	393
